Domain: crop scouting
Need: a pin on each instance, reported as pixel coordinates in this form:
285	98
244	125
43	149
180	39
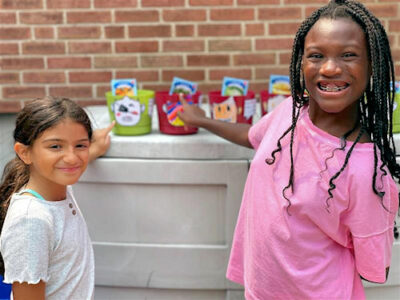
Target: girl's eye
349	54
82	146
314	56
55	146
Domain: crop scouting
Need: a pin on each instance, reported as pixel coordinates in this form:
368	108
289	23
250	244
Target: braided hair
375	105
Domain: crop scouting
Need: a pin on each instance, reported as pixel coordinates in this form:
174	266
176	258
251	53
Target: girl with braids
320	200
44	240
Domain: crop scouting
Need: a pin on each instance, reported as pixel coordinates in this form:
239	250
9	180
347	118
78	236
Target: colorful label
226	111
182	86
279	85
127	111
172	109
234	87
124	87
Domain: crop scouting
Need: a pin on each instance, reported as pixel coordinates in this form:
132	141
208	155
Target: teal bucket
132	114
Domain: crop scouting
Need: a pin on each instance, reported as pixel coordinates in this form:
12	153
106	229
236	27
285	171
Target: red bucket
233	109
167	108
270	101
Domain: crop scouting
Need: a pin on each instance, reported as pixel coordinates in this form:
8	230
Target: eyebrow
61	140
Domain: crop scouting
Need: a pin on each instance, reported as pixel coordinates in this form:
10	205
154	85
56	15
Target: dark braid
375	105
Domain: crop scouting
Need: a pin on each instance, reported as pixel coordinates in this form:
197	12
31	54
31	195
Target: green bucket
396	113
132	114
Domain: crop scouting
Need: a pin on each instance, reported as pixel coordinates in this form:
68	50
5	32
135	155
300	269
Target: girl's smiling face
336	67
59	156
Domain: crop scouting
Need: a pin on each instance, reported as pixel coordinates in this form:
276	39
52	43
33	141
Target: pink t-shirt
315	252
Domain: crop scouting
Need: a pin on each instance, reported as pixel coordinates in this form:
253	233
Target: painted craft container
132	114
167	108
279	90
396	109
233	109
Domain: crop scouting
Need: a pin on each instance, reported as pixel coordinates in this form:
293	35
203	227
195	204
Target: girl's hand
192	115
100	142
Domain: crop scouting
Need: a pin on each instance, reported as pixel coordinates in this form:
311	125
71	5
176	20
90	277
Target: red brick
43	48
274	44
310	9
71	91
219	74
193	75
144	46
205	88
184	30
383	10
115	62
114	3
208	60
234	14
44	33
137	16
255	29
283	28
220	30
184	15
158	3
10	106
254	59
20	4
149	31
22	63
182	46
161	61
44	77
114	32
23	92
102	89
89	17
7	78
140	75
89	47
279	13
229	45
68	4
41	18
79	32
9	48
8	18
68	62
156	87
257	2
13	33
313	2
210	2
265	73
396	55
92	76
285	58
394	26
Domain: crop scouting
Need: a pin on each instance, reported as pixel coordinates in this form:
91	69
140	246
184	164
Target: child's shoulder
26	206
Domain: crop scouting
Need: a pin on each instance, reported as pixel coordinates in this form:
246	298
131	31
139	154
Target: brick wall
73	48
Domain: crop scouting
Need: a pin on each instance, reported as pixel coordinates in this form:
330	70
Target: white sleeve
26	248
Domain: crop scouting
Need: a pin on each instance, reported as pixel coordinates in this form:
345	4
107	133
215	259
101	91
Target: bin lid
201	145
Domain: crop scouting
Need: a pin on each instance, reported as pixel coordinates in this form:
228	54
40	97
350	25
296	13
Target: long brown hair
37	116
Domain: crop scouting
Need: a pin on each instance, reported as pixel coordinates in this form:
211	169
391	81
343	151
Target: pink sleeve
371	223
272	119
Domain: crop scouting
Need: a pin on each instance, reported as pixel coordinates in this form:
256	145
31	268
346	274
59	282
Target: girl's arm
193	116
25	291
100	142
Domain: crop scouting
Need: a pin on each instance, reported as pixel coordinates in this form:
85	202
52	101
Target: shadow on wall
7	123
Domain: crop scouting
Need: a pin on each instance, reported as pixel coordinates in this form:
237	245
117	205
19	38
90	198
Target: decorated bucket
269	101
233	109
132	114
167	108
